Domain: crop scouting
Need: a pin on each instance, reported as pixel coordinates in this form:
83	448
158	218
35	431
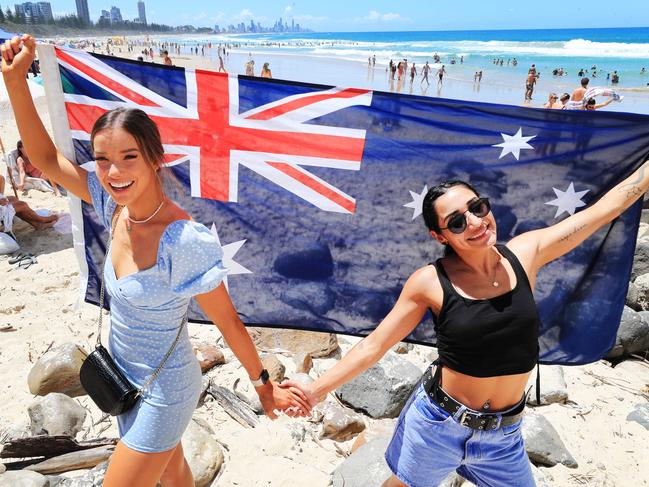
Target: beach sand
42	306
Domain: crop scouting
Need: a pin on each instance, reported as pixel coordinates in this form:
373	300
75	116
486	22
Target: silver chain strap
101	312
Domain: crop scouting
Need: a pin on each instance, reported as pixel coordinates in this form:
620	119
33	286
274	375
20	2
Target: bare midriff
500	392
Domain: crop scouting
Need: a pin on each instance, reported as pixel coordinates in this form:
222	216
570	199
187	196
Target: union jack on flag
318	191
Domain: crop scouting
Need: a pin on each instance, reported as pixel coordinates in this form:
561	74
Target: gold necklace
495	283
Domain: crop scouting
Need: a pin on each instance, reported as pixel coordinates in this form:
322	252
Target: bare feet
46	222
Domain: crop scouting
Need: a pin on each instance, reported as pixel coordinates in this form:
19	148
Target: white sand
40	303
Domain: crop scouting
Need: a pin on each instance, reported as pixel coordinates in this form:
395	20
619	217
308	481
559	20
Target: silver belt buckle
464	419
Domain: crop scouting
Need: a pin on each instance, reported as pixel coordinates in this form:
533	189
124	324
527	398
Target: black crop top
489	337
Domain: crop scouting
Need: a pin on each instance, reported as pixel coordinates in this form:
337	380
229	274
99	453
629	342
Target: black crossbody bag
106	385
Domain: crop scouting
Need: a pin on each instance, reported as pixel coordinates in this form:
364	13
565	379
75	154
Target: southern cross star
417	202
513	144
229	251
567	200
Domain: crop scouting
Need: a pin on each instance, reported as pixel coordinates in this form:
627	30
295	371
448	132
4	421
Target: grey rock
314	343
56	414
382	390
245	391
632	295
304	378
58	371
316	297
553	386
303	362
640	414
202	451
632	335
340	424
274	367
2	468
366	467
23	478
640	258
642	287
383	428
543	444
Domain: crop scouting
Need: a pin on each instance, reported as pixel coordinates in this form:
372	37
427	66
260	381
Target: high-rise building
105	16
82	11
115	15
45	12
34	13
141	12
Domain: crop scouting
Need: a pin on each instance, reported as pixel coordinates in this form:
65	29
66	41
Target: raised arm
17	57
400	321
551	243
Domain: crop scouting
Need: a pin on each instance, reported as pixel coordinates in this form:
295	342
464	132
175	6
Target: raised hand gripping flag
315	192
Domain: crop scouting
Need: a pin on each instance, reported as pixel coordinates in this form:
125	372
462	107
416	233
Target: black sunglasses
480	208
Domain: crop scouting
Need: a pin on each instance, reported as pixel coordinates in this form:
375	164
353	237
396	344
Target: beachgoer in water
615	78
424	71
167	258
413	73
466	414
529	84
440	75
265	71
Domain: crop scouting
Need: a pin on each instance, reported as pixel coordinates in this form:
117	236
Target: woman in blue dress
159	259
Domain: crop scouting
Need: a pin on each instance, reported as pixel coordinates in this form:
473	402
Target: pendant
494	284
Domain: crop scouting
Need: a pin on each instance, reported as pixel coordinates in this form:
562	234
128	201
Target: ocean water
625	50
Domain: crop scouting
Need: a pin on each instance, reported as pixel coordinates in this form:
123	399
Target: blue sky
381	15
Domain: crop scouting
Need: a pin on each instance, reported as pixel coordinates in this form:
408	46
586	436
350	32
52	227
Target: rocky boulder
543	444
382	390
56	414
274	367
377	429
202	451
640	258
640	415
314	343
340	424
553	386
303	362
23	478
366	467
208	356
632	335
58	371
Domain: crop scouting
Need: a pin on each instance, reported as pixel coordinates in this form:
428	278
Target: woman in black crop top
466	417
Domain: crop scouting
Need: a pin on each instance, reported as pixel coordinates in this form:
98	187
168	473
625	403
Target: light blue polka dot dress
146	310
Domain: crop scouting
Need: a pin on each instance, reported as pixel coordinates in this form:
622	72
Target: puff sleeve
102	202
192	258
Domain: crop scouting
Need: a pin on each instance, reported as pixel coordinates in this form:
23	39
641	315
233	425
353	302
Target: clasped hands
293	398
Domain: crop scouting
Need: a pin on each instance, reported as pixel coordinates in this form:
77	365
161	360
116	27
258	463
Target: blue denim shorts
428	444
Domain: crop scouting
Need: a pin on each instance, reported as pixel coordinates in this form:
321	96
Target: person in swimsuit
26	168
440	75
150	285
466	415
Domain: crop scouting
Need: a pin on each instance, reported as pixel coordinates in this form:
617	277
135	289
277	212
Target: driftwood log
73	461
235	407
46	446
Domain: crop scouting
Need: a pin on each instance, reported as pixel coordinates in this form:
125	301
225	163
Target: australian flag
315	192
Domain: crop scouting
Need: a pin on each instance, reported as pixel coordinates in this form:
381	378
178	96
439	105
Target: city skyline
378	15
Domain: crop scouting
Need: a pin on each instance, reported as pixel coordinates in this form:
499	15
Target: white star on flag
417	202
513	144
567	200
229	251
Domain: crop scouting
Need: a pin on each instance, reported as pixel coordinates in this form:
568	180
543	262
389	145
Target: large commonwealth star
229	251
567	200
513	144
417	202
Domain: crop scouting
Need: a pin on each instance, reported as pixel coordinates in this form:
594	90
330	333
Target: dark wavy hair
139	125
428	208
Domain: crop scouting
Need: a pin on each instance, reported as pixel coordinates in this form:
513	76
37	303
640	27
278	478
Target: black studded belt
469	418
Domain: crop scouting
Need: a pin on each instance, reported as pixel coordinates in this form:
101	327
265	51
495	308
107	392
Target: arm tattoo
631	188
569	235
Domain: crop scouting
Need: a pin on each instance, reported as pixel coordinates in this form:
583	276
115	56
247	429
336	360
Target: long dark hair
428	208
139	125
